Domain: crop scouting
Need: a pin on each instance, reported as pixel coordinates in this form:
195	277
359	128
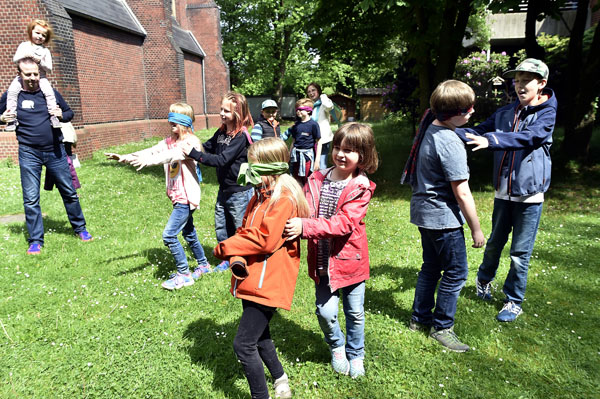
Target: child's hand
113	156
479	141
8	116
478	239
137	163
57	112
293	229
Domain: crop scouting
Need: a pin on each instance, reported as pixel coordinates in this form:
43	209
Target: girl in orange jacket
270	262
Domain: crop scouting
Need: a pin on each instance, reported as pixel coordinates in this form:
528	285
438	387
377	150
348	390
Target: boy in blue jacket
520	134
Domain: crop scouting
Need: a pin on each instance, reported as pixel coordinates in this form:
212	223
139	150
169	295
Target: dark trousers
253	346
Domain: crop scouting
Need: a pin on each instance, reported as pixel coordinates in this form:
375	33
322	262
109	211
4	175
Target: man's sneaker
414	325
85	236
34	249
10	127
448	338
55	122
484	290
357	367
178	281
221	267
200	270
338	360
282	387
509	312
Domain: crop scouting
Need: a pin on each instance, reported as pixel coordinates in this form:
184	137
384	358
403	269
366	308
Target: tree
261	39
583	87
432	32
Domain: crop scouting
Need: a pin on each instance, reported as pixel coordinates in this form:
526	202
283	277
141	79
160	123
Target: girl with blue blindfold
183	189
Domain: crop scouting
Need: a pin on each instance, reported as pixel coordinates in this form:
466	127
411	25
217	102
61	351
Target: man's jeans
523	219
229	212
182	221
443	251
353	298
31	161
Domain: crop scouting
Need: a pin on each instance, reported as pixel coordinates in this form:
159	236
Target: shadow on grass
382	300
216	354
56	226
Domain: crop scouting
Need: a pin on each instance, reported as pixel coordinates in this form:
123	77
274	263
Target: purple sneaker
34	249
85	236
200	270
221	267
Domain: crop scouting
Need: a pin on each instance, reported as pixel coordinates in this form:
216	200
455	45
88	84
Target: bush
485	77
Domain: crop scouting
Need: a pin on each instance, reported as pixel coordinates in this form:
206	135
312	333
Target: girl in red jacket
270	262
338	256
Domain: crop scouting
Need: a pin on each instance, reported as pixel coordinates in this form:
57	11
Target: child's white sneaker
55	122
282	387
357	367
338	360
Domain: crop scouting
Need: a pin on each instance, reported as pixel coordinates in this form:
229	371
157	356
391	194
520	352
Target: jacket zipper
262	273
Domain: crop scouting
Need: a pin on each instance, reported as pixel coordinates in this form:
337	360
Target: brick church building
121	63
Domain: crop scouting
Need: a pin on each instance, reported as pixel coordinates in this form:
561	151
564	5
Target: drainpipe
204	94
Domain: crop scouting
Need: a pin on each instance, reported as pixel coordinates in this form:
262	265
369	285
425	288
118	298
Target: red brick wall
111	73
204	22
163	67
193	83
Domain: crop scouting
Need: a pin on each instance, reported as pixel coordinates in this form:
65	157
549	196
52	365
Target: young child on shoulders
520	135
271	262
227	150
39	33
183	190
338	253
267	124
441	201
306	150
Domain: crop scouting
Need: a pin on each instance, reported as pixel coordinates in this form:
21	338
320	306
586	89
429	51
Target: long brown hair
241	112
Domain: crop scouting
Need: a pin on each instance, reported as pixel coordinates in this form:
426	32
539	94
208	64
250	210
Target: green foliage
89	320
485	77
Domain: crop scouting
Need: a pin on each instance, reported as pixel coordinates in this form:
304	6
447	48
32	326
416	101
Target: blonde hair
359	137
241	112
44	24
450	96
273	149
305	102
187	110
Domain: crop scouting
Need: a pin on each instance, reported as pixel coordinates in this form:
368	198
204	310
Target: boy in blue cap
520	135
266	124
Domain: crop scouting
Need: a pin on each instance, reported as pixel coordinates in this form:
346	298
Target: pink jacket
349	252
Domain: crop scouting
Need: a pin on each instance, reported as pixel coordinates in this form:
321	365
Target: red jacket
273	262
349	252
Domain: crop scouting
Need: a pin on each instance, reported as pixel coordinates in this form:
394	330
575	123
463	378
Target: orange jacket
273	262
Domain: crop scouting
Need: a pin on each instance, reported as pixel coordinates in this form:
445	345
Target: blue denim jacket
526	148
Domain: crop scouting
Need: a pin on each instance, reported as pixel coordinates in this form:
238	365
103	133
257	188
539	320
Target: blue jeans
31	161
229	212
353	297
443	251
523	219
324	153
182	221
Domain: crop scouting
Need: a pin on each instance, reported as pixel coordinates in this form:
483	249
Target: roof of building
115	13
187	42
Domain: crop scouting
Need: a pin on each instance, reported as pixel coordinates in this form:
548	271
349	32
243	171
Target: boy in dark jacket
520	134
266	125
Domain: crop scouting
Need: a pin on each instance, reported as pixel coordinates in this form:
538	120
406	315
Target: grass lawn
89	320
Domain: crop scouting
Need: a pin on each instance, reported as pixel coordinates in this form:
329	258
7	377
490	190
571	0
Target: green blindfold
251	172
